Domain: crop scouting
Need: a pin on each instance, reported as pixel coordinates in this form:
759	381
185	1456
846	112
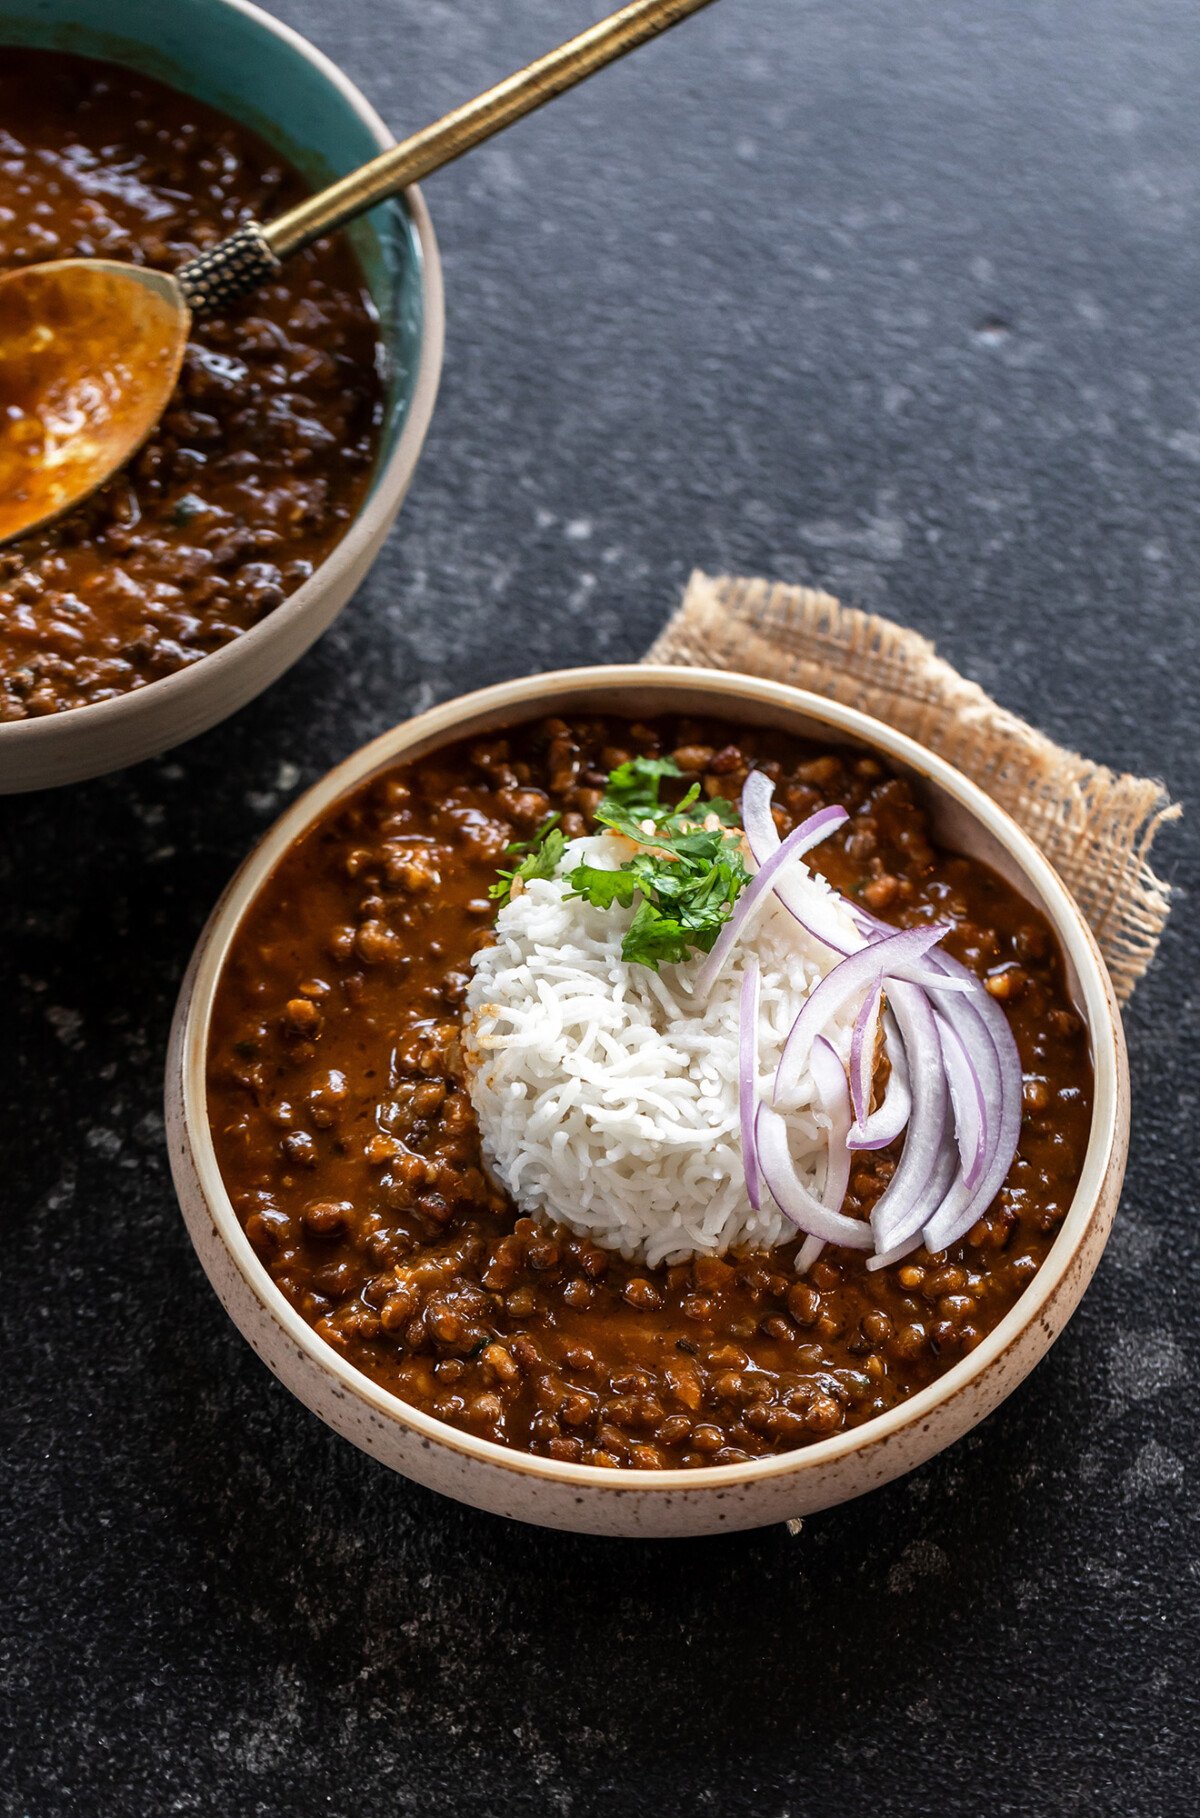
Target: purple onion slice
883	1259
888	1119
818	908
830	1080
791	1195
943	1181
829	1077
967	1098
914	1192
808	1253
860	972
954	1219
863	1041
802	839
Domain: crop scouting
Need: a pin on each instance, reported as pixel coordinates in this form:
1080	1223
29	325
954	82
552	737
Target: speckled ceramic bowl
654	1502
258	71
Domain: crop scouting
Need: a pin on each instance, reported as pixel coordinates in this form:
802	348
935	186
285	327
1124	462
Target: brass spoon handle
254	253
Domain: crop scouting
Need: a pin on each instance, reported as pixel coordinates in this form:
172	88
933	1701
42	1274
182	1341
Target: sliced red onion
822	915
863	1042
791	1195
819	915
915	1190
888	1119
883	1259
871	927
954	1219
942	1182
956	1081
748	1076
967	1098
802	839
829	1077
830	1080
808	1253
962	1016
860	972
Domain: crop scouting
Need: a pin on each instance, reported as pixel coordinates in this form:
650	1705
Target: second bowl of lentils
210	564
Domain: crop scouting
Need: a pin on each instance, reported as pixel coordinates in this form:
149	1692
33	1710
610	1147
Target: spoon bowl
90	351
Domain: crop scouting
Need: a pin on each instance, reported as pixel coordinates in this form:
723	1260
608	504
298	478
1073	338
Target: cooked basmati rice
607	1097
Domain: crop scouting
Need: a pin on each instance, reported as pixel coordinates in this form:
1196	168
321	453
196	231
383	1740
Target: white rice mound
607	1097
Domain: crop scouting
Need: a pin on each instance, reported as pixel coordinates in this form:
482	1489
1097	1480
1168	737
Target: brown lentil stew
263	457
349	1146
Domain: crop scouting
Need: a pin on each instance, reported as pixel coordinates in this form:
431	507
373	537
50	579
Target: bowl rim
388	484
440	725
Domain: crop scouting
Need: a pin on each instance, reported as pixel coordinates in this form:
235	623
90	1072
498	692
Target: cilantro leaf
543	856
517	846
639	779
688	871
654	939
603	888
685	876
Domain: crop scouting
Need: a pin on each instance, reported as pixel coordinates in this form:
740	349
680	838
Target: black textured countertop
897	299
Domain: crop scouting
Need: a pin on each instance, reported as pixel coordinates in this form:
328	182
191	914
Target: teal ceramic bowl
237	58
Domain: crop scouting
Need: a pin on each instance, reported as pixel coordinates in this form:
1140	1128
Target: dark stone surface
897	299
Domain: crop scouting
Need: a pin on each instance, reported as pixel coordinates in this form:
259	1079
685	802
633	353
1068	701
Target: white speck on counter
920	1559
1155	1468
1142	1363
63	1192
105	1142
66	1024
1132	1245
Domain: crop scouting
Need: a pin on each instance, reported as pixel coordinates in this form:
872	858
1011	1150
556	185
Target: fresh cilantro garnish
631	802
543	855
687	875
604	888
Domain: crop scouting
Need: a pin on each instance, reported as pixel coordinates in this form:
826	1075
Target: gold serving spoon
90	349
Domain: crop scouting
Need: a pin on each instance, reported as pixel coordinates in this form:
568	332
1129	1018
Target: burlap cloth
1094	826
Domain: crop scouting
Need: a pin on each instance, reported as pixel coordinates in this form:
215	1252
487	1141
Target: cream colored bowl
648	1503
257	70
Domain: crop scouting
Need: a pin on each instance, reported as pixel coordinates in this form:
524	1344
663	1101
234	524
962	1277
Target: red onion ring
954	1219
967	1098
830	1080
915	1190
802	839
888	1119
824	917
791	1195
829	1077
861	971
808	1253
863	1041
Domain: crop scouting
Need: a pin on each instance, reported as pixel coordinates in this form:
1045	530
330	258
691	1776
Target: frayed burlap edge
1094	826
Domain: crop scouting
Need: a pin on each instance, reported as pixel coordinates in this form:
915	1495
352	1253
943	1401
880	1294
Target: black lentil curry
348	1143
265	453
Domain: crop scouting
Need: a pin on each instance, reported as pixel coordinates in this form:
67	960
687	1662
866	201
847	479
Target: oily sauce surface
266	449
348	1143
